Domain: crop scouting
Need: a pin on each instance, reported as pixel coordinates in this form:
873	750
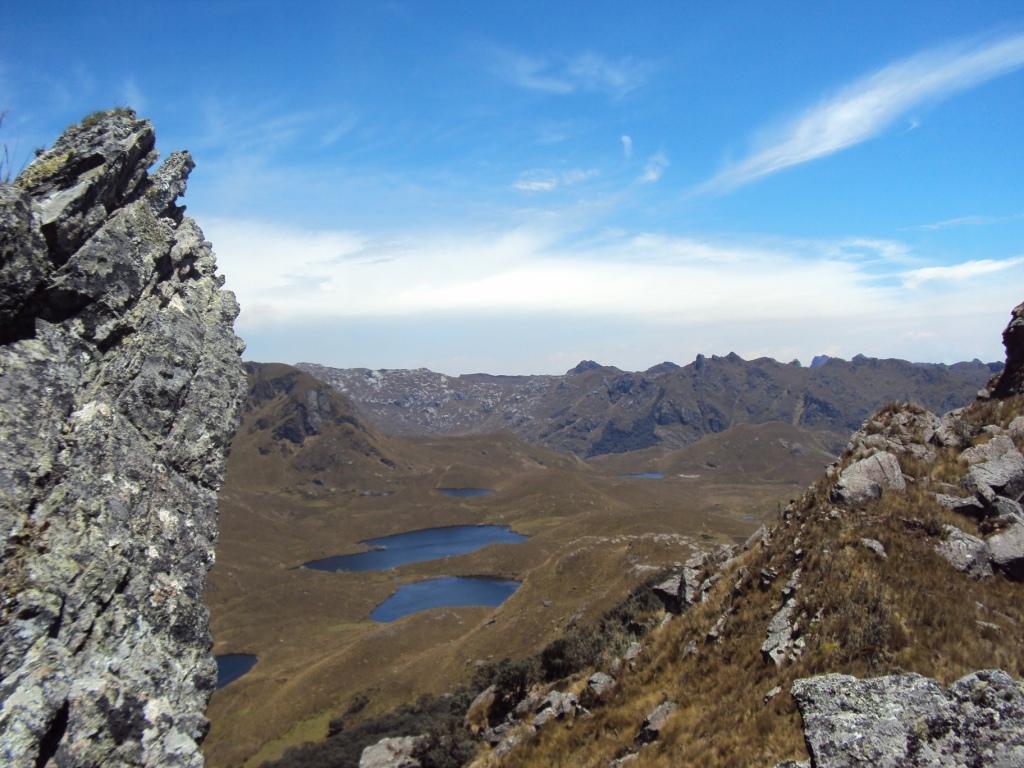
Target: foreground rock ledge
910	720
120	382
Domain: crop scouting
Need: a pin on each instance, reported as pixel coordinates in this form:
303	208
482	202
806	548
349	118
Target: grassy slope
594	535
862	616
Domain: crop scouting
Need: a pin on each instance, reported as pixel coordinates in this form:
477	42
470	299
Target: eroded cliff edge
120	383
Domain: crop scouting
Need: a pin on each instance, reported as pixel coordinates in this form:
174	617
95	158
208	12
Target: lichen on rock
120	383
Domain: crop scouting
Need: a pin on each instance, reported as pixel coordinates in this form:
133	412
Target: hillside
872	621
594	409
308	478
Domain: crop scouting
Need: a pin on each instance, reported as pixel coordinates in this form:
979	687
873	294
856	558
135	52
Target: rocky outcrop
120	382
965	552
655	723
910	720
394	752
1011	380
866	479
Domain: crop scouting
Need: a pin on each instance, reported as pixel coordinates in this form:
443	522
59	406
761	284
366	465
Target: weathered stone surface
993	450
1002	475
600	686
909	720
555	706
120	382
1011	380
1016	428
395	752
655	722
24	260
780	644
866	479
966	505
1007	550
875	546
478	713
965	552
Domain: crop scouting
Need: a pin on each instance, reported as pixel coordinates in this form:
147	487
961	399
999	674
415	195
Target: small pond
465	493
646	475
446	592
231	666
417	546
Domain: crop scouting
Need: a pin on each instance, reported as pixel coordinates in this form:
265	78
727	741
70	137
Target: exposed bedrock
120	383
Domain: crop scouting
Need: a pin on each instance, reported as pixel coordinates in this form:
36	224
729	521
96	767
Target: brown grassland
594	535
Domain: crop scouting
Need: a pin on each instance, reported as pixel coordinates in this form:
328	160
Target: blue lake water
647	475
445	592
465	493
232	666
416	546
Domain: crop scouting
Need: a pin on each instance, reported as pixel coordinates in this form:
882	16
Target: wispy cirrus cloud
967	270
588	71
548	181
654	168
627	146
868	106
967	221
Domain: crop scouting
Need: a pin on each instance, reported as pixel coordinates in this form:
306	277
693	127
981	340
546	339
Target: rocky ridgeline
120	381
951	483
595	409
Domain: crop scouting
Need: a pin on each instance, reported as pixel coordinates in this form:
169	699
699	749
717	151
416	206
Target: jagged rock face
910	720
1011	380
120	382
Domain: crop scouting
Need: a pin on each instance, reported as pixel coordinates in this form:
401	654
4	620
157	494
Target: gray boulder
1001	475
875	546
964	552
909	720
655	723
395	752
866	479
1016	428
600	686
965	505
120	384
780	644
1007	550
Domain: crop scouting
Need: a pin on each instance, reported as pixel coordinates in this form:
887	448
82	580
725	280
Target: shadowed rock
1011	380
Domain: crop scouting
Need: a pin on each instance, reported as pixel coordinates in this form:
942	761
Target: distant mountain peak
664	367
819	360
583	366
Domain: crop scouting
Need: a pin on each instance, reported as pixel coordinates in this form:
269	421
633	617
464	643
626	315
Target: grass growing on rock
859	613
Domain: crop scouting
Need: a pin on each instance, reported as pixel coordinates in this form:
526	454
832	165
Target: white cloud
564	75
535	181
338	130
131	95
644	297
627	146
866	107
967	270
655	168
548	181
967	221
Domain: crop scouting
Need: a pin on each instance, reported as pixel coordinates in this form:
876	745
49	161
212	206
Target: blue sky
512	187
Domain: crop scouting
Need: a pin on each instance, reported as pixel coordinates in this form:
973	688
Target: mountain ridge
594	409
